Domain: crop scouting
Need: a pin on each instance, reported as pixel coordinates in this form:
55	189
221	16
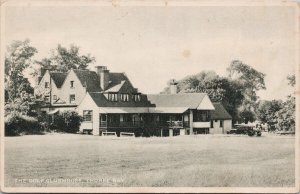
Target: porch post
171	132
161	132
191	122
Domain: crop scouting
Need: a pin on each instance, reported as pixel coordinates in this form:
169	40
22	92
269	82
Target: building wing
220	112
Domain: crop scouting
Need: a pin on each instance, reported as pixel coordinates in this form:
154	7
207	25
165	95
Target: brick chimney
103	75
173	86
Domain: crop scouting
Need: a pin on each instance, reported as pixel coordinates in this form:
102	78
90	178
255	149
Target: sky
155	44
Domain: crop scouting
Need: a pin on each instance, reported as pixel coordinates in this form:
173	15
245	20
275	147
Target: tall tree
286	116
63	59
252	81
17	59
267	112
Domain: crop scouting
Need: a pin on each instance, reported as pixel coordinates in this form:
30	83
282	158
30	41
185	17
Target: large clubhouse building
109	102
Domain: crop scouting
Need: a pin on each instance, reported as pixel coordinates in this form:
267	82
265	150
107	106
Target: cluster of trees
238	93
278	114
20	102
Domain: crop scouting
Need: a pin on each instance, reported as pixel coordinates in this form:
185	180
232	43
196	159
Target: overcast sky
154	44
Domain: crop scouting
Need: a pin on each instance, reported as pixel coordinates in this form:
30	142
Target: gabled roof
220	112
58	78
116	88
116	82
102	101
189	100
89	79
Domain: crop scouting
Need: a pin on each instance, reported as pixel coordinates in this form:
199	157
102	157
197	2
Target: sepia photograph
149	96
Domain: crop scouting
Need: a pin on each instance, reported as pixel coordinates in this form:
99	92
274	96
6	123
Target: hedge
17	124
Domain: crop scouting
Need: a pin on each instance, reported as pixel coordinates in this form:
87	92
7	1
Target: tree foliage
63	59
251	81
17	59
286	115
67	121
267	112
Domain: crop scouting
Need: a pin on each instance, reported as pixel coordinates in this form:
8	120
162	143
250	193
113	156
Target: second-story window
72	99
71	84
124	97
47	85
113	97
47	99
136	97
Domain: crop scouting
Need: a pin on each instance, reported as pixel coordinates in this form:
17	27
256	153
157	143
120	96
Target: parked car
245	129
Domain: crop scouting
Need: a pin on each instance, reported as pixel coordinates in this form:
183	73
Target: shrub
17	124
67	121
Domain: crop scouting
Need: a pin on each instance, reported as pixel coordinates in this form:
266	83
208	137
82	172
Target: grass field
203	160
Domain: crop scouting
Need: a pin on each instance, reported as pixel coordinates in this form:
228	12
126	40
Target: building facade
108	102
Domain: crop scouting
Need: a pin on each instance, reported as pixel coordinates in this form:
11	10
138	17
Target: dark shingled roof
101	101
118	82
220	112
189	100
58	78
117	78
89	79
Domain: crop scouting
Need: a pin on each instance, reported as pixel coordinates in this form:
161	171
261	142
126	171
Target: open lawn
203	160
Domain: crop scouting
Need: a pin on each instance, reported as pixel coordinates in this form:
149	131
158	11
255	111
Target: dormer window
47	84
71	84
124	97
136	97
113	97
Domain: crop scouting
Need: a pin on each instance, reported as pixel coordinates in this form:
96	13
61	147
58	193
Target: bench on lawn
104	133
126	134
87	131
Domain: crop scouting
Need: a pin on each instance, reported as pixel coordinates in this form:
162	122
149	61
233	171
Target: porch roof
112	110
168	109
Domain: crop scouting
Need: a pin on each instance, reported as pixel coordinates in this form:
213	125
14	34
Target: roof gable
58	78
206	104
118	82
220	112
88	79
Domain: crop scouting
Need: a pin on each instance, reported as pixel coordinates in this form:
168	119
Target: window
211	124
47	85
124	97
113	97
221	123
54	97
47	99
87	115
72	98
71	84
136	97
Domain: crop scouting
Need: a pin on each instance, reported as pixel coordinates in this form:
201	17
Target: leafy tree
286	116
267	112
251	80
63	59
17	59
